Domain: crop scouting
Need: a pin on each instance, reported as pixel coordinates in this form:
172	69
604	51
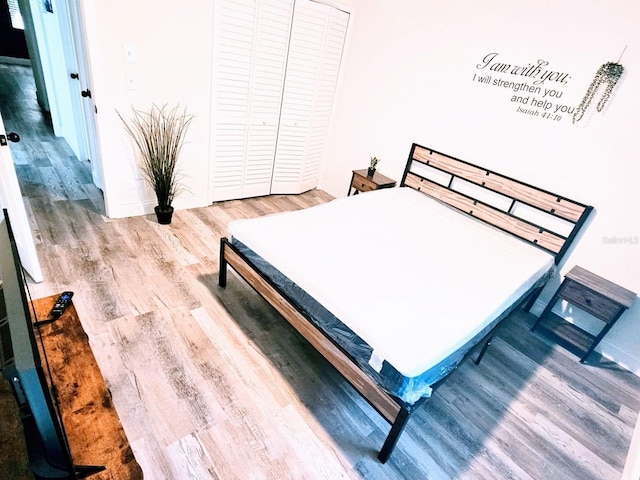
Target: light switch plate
130	80
129	53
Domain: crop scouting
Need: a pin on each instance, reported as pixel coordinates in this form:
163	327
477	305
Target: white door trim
11	199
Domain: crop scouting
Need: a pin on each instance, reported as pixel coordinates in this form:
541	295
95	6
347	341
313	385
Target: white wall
409	77
173	51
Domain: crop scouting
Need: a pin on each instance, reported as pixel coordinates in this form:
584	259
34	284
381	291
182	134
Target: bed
397	287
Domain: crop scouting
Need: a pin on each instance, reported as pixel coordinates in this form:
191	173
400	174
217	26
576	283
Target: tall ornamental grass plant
159	135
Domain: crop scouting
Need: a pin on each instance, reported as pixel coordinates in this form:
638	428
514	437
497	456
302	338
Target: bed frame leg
222	272
484	349
396	429
532	298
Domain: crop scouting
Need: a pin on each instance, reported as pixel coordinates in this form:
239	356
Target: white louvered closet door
252	38
275	71
315	51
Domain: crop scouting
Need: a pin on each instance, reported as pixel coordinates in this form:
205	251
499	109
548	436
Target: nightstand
601	298
361	183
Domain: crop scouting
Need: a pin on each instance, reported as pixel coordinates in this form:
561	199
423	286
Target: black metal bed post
486	345
222	272
532	298
396	429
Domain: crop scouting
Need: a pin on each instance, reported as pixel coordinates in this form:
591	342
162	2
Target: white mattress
412	277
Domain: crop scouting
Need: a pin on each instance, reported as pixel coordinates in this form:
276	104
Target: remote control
61	304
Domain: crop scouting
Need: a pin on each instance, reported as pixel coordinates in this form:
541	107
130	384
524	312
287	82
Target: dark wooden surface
361	182
212	383
602	286
94	431
602	307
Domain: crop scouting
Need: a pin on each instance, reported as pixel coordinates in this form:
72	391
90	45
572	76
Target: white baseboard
147	207
332	189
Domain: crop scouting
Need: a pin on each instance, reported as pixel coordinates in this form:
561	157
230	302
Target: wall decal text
533	88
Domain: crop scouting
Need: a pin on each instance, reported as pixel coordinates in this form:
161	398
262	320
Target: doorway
52	128
54	38
12	40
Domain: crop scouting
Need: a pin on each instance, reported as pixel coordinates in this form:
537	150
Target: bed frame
547	220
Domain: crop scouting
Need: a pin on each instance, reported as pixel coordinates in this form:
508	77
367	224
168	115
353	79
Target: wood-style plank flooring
213	384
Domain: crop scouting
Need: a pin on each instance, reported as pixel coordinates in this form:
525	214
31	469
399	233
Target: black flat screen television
22	365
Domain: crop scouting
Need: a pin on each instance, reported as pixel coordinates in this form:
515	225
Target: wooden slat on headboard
499	183
491	215
547	204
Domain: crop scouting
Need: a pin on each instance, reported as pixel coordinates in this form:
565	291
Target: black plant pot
371	172
164	217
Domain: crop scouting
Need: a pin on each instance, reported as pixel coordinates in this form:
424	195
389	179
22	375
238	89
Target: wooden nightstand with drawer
360	182
601	298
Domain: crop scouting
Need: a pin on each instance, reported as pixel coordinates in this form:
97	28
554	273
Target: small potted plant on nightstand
372	166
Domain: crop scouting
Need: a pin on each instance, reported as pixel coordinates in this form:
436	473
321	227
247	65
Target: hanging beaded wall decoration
608	74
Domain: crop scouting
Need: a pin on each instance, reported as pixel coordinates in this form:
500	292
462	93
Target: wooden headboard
544	219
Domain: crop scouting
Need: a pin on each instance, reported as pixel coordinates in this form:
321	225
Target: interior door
315	52
51	38
86	109
60	43
72	78
252	39
11	199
